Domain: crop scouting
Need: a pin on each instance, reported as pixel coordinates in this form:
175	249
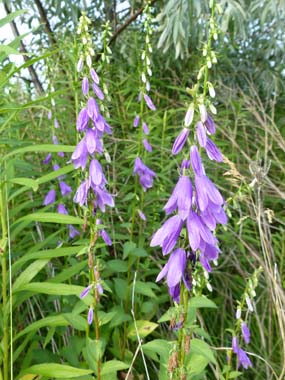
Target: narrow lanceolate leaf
50	148
55	174
49	217
12	16
25	182
51	288
29	273
52	370
200	302
52	321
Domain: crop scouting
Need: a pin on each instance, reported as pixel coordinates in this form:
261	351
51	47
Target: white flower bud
249	304
143	56
213	109
203	112
89	61
91	51
238	313
149	71
143	78
209	287
80	65
189	115
84	40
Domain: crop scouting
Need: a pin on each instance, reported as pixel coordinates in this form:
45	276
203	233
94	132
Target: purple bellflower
97	91
181	198
174	269
245	332
210	125
149	102
201	134
82	120
64	188
85	86
73	231
180	141
94	76
167	235
49	198
242	357
136	121
145	174
147	145
212	151
145	128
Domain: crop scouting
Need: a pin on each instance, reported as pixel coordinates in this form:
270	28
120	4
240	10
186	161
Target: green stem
5	341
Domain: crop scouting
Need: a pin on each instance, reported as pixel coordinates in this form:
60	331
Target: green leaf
93	351
25	182
196	364
76	321
234	374
200	347
29	273
47	148
129	247
144	329
50	217
200	302
56	370
50	288
55	174
145	289
117	266
52	321
113	366
11	16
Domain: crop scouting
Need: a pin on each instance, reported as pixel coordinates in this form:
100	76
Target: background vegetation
43	271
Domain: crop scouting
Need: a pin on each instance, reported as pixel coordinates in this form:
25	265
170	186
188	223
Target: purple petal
201	134
196	162
245	332
97	91
180	141
149	102
94	76
47	159
49	198
85	291
136	121
145	128
61	209
64	188
90	315
147	145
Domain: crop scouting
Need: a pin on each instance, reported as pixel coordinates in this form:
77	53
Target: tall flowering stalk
92	194
241	332
196	206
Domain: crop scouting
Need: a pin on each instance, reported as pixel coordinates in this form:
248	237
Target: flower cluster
145	174
241	326
92	126
198	205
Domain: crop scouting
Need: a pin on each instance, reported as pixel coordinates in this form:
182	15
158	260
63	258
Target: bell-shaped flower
80	155
49	198
82	193
212	151
167	235
82	120
180	141
174	269
199	235
181	198
207	192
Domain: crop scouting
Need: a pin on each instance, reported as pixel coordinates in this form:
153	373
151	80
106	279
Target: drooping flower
142	215
181	198
49	198
147	145
82	193
245	332
80	155
73	231
136	121
94	76
97	91
167	235
210	125
199	235
196	162
212	151
61	209
180	141
174	269
96	174
85	86
90	315
149	102
92	109
86	291
207	193
242	357
201	134
212	215
47	159
82	120
145	174
103	198
145	128
64	188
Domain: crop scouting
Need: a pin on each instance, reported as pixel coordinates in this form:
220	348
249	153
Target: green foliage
43	320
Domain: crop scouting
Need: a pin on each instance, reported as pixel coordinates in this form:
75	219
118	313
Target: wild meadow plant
92	194
188	236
